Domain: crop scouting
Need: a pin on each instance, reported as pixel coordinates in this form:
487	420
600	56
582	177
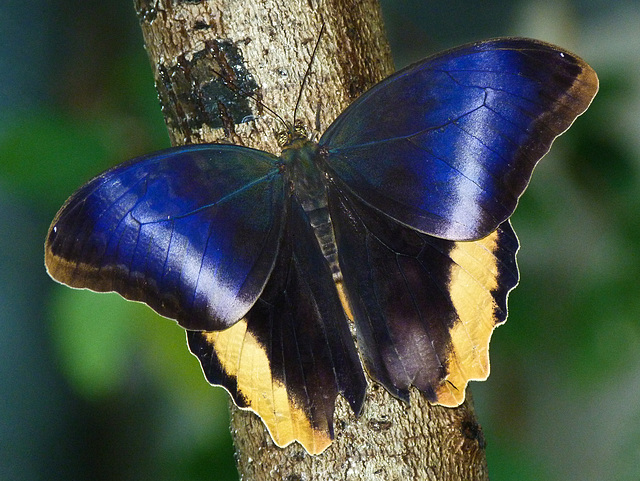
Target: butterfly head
291	133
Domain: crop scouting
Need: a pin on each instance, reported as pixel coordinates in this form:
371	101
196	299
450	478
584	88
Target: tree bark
264	47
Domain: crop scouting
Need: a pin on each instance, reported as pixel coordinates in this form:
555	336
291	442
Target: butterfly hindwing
292	354
424	307
191	231
448	144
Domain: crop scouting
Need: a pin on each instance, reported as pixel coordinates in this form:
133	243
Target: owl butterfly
395	222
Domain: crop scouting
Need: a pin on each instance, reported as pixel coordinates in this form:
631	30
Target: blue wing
192	231
448	145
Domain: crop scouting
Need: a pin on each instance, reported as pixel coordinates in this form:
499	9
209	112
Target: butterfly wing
448	144
424	307
191	231
291	355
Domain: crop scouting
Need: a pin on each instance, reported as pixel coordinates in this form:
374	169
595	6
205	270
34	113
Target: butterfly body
396	223
309	185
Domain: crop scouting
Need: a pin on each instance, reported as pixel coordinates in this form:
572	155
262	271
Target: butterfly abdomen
320	220
309	189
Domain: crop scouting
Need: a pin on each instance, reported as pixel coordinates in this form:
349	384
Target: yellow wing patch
473	277
242	357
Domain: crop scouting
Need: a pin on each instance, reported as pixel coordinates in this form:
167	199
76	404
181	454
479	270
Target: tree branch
264	48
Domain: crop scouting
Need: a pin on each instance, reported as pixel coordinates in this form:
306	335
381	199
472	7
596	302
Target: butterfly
391	233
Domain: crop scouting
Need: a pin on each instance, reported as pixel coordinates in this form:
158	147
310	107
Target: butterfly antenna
255	98
306	75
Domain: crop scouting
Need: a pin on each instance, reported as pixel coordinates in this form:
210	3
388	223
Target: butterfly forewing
191	231
447	145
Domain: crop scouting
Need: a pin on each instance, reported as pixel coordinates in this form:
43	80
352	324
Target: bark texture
264	47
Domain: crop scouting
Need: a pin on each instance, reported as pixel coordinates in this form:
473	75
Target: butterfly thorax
307	180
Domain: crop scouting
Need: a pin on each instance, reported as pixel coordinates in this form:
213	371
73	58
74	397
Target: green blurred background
92	387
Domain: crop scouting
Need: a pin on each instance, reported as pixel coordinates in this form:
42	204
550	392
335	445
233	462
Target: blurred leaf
110	349
508	461
600	159
48	155
610	340
132	90
94	336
